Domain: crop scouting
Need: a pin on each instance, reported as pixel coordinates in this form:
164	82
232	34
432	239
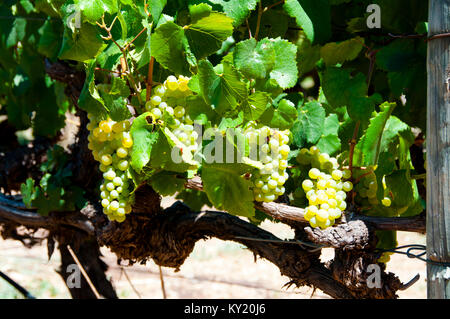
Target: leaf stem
149	78
352	147
258	21
273	5
249	30
128	44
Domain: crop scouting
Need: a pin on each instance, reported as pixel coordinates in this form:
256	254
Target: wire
22	290
414	247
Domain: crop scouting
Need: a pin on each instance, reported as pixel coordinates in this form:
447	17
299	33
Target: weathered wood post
438	149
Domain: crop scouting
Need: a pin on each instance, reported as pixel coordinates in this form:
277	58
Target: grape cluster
273	149
368	187
326	190
169	99
110	143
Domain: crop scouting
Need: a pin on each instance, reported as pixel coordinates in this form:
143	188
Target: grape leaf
368	148
161	156
143	139
309	126
333	52
254	58
17	33
255	105
167	183
342	89
227	189
50	39
194	199
401	188
156	7
307	55
238	10
93	10
84	44
89	99
281	117
285	69
393	129
206	35
329	142
314	16
168	46
222	91
199	111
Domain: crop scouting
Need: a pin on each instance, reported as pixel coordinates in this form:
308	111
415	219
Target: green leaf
393	129
89	99
254	59
333	52
115	98
285	70
281	117
314	16
368	148
49	117
196	200
161	156
307	55
255	105
342	89
199	111
206	35
329	144
329	141
401	188
156	7
143	139
17	32
198	11
27	190
82	45
167	183
222	91
387	239
50	39
238	10
168	46
92	10
227	189
177	145
309	126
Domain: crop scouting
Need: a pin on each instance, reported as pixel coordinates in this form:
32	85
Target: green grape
386	201
110	144
271	145
314	173
347	186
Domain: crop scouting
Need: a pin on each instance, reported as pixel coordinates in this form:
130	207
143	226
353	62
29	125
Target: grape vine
324	115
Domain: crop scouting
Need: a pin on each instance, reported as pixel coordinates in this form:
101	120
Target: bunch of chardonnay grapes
110	143
169	99
368	187
326	190
273	149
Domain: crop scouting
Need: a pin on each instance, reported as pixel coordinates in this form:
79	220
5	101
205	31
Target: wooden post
438	150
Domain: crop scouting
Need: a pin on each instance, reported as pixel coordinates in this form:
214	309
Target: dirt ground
215	269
